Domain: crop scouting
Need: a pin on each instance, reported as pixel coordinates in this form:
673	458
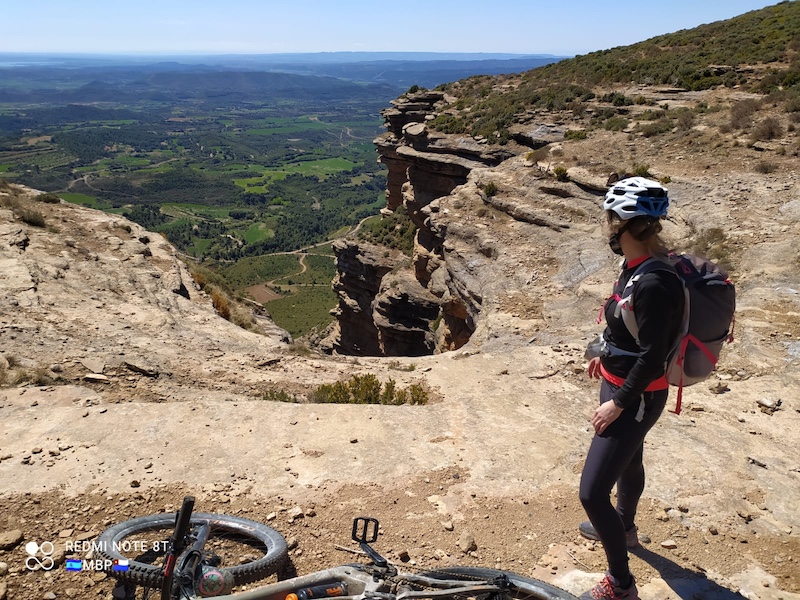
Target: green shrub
578	134
561	173
652	115
617	99
490	189
336	393
48	198
417	394
657	128
367	389
394	231
641	170
279	396
616	123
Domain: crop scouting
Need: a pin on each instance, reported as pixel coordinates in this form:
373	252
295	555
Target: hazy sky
562	27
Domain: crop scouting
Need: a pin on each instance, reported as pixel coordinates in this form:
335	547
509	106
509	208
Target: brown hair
643	229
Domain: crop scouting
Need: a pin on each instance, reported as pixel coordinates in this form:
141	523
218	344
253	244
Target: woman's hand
605	415
594	368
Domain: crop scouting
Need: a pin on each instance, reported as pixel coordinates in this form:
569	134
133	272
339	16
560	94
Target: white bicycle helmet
637	197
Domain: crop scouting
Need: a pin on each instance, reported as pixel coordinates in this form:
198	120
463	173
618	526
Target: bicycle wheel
519	587
248	550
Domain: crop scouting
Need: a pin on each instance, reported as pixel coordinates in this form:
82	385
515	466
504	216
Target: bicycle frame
361	580
191	573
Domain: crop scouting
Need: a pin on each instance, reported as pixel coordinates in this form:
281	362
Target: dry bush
765	167
767	129
685	120
30	216
713	244
538	155
742	113
221	303
243	317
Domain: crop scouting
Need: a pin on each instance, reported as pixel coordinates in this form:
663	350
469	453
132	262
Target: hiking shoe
631	536
608	589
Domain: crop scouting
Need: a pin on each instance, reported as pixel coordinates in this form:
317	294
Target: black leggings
615	456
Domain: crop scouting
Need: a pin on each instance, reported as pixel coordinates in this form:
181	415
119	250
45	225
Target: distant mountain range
26	76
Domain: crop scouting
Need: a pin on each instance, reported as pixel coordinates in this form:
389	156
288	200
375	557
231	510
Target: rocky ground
121	394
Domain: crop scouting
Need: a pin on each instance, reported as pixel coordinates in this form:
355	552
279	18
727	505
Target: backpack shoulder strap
624	307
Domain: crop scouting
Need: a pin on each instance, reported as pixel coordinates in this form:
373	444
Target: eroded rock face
361	267
423	166
404	313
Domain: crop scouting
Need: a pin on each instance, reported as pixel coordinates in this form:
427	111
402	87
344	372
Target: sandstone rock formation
83	270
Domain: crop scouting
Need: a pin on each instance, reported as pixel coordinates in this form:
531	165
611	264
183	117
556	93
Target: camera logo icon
39	556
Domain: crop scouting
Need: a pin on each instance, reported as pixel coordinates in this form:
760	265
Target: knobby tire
521	588
269	543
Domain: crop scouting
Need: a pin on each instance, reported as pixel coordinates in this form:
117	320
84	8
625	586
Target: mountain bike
188	556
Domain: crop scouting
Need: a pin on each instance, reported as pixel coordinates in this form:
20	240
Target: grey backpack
708	317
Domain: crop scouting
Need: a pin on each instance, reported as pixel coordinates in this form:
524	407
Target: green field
196	210
320	271
257	269
304	310
84	200
258	231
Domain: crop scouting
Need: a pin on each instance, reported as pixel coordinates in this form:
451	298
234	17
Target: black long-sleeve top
658	302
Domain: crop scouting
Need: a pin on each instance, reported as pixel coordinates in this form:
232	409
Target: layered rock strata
399	317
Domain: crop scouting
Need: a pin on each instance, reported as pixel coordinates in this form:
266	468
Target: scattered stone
403	556
10	539
720	387
448	526
95	378
755	461
142	369
295	513
65	533
713	530
291	543
37	450
135	483
467	542
669	544
3	568
768	406
94	365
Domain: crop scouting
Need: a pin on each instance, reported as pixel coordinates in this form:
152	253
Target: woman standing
633	390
